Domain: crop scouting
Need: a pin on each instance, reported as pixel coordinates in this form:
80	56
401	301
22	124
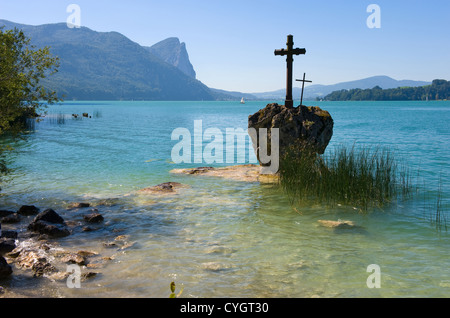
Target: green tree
22	67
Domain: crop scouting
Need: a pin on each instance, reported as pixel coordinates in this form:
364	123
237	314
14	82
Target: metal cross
303	86
289	52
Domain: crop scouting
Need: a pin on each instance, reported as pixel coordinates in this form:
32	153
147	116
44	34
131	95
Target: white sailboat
242	100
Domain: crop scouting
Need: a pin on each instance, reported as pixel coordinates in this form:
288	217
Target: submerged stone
74	258
247	173
10	219
164	188
79	205
52	230
337	224
93	218
41	267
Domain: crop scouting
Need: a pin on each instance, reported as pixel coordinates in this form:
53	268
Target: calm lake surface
223	238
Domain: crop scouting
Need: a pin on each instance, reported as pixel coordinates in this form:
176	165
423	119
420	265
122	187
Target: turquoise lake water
223	238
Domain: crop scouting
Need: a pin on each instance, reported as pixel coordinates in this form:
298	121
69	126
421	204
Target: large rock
50	223
299	127
52	230
9	235
94	217
10	219
6	245
5	213
49	215
5	269
28	210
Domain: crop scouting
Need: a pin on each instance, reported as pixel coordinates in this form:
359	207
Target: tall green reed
362	177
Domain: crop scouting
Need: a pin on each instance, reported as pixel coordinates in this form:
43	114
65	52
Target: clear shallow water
221	238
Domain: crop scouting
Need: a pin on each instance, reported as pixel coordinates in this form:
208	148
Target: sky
231	43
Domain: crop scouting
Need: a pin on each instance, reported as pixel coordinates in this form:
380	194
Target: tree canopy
22	67
438	90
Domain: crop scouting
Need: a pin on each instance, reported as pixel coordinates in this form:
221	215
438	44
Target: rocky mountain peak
174	52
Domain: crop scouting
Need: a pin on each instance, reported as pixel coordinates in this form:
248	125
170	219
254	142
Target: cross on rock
289	52
303	86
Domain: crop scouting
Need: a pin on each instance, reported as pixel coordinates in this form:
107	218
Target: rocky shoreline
29	244
29	239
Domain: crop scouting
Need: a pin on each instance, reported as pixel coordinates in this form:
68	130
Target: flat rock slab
79	205
337	224
164	188
247	173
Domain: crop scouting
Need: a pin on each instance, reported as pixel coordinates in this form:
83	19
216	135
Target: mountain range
109	66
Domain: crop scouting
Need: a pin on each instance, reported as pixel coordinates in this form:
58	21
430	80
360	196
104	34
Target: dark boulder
10	219
49	223
28	210
7	245
4	213
52	230
50	216
9	234
5	269
93	218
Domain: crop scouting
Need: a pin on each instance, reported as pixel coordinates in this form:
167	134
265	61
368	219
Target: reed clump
57	119
361	177
438	216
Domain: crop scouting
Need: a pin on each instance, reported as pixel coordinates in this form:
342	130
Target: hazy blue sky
231	43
